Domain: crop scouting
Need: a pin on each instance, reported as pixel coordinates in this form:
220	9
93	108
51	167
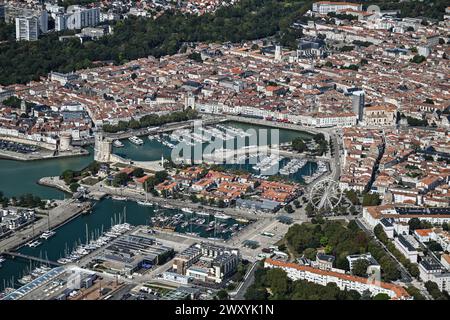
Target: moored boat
136	140
118	144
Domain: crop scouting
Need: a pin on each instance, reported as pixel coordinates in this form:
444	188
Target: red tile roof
399	291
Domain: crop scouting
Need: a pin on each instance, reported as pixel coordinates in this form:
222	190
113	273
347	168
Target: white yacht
33	244
47	234
136	140
145	203
117	198
118	144
221	216
202	213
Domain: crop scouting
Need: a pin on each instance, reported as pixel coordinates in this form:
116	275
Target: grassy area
90	181
162	289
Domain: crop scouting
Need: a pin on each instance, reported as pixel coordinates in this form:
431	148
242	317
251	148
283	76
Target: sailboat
31	243
49	233
146	202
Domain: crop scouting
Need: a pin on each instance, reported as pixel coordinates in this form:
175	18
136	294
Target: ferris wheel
325	194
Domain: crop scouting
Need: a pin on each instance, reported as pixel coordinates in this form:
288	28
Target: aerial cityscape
224	150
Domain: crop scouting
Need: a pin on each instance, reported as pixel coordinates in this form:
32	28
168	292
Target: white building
356	257
407	246
336	120
388	227
432	270
27	28
373	215
60	22
77	17
324	7
343	281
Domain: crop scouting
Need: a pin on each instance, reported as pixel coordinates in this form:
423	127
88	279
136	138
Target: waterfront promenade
60	215
139	195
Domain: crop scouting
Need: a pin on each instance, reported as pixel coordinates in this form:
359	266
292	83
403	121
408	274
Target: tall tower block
358	104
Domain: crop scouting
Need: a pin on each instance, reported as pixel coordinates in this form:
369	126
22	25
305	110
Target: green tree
195	56
256	293
74	186
415	293
278	282
389	268
298	145
371	199
138	172
309	209
360	268
418	59
352	196
288	208
434	291
414	224
381	296
310	253
120	179
68	176
222	295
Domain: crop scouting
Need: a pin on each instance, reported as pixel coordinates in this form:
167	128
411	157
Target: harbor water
18	178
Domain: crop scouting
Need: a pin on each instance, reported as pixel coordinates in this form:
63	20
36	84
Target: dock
32	258
59	216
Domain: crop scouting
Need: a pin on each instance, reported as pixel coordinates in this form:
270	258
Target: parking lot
16	147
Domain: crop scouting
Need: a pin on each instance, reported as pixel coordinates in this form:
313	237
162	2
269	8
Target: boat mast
87	235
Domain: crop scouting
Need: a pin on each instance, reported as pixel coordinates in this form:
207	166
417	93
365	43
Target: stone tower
277	53
103	148
23	107
65	141
189	101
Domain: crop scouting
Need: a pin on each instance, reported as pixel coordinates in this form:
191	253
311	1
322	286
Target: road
406	276
407	279
249	278
140	195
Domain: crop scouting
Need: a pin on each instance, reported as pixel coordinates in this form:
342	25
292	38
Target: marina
70	236
267	165
322	168
107	213
94	242
293	166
